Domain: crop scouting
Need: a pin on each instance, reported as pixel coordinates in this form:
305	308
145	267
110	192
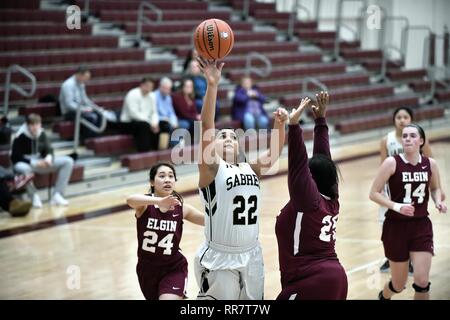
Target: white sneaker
58	200
37	203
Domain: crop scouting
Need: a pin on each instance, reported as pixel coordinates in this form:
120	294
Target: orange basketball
213	39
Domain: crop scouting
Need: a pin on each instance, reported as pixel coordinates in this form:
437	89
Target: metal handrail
315	81
141	18
318	5
292	19
305	9
433	69
352	30
384	61
86	8
245	9
382	34
259	71
11	86
296	6
79	120
339	24
405	35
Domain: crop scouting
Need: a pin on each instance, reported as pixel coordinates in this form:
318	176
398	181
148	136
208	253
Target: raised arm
140	201
321	137
303	191
208	162
277	136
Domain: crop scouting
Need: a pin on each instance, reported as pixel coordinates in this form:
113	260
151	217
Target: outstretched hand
322	99
210	70
281	115
169	203
296	113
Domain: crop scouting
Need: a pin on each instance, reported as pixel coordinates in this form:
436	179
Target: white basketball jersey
393	146
231	204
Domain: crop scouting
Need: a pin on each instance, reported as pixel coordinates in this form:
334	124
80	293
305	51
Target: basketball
213	39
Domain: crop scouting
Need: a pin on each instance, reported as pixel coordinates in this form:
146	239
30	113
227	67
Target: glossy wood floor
44	264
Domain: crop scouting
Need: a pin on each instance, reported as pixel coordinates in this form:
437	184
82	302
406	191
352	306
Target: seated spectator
10	184
184	105
167	118
32	153
73	96
196	75
139	110
248	106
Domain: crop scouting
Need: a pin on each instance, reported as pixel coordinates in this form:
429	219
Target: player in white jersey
390	146
229	265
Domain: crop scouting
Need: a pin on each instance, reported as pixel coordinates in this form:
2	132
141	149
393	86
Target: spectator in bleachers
10	183
191	56
32	153
73	96
139	110
196	75
248	106
168	120
184	105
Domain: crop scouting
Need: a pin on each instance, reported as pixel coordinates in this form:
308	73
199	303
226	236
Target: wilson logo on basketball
210	35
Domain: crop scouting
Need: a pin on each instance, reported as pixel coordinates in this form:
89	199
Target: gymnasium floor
88	251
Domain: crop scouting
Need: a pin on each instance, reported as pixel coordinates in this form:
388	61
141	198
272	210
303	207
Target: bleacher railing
383	30
429	62
296	6
141	18
314	81
12	86
262	72
340	24
81	121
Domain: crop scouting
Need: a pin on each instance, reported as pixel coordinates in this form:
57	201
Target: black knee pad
381	297
391	287
420	289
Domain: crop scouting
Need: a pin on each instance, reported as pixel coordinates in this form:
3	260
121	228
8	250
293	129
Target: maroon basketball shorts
157	280
325	280
400	237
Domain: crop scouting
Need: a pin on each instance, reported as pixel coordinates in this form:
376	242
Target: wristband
397	207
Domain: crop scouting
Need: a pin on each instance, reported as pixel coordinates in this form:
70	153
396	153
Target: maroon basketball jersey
410	184
306	236
159	235
306	226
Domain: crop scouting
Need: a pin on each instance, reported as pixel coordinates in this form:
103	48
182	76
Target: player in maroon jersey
390	146
162	268
407	230
306	226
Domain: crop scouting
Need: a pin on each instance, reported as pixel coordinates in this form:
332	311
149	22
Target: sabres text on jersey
242	180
